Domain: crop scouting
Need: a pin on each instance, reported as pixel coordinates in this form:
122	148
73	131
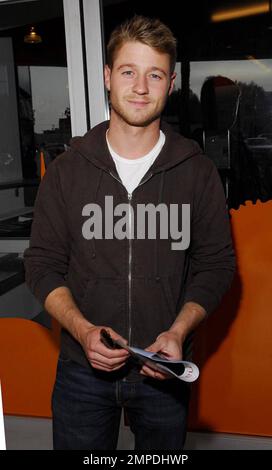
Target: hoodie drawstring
156	256
95	197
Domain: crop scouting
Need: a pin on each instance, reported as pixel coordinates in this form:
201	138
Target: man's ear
172	83
107	76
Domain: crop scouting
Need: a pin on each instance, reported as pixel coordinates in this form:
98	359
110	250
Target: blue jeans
87	406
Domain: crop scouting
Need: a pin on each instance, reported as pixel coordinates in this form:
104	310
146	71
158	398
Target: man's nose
140	85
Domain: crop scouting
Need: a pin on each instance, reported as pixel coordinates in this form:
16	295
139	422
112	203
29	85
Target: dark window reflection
230	117
35	123
44	115
34	90
238	50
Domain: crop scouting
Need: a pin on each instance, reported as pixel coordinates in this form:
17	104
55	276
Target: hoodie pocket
153	310
103	303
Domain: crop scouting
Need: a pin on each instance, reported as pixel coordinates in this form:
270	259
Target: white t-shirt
132	171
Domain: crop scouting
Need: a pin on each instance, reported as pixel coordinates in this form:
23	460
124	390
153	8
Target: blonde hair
149	31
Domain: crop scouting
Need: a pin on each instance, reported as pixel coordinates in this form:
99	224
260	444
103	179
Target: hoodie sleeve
211	254
46	259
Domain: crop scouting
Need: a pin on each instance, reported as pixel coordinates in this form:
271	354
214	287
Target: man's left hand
167	344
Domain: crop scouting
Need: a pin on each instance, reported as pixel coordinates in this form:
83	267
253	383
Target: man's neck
130	141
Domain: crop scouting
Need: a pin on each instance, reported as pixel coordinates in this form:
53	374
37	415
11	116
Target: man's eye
155	76
127	72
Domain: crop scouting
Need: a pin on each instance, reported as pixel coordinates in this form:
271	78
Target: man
93	266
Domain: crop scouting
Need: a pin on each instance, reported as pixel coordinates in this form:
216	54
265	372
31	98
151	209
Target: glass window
35	127
33	92
223	93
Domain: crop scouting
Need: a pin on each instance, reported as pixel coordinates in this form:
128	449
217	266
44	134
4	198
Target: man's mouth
138	103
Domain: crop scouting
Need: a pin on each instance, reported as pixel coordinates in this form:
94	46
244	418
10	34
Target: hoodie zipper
129	267
129	197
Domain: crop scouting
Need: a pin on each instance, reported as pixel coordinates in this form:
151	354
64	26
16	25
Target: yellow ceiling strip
240	12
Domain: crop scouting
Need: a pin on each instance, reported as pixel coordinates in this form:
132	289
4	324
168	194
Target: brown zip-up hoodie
136	286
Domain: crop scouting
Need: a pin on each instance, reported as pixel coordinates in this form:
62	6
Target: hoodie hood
93	146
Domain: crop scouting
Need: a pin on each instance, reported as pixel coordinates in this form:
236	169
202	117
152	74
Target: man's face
139	83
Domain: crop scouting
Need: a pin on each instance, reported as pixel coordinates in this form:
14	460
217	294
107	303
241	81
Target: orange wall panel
28	356
234	346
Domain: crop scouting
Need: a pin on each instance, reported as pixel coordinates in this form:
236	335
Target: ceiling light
32	37
240	12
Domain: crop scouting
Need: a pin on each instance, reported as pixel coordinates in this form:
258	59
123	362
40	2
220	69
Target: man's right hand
61	305
99	356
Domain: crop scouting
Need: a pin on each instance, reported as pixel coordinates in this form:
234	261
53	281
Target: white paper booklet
183	370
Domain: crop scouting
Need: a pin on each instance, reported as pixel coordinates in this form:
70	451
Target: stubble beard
142	120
